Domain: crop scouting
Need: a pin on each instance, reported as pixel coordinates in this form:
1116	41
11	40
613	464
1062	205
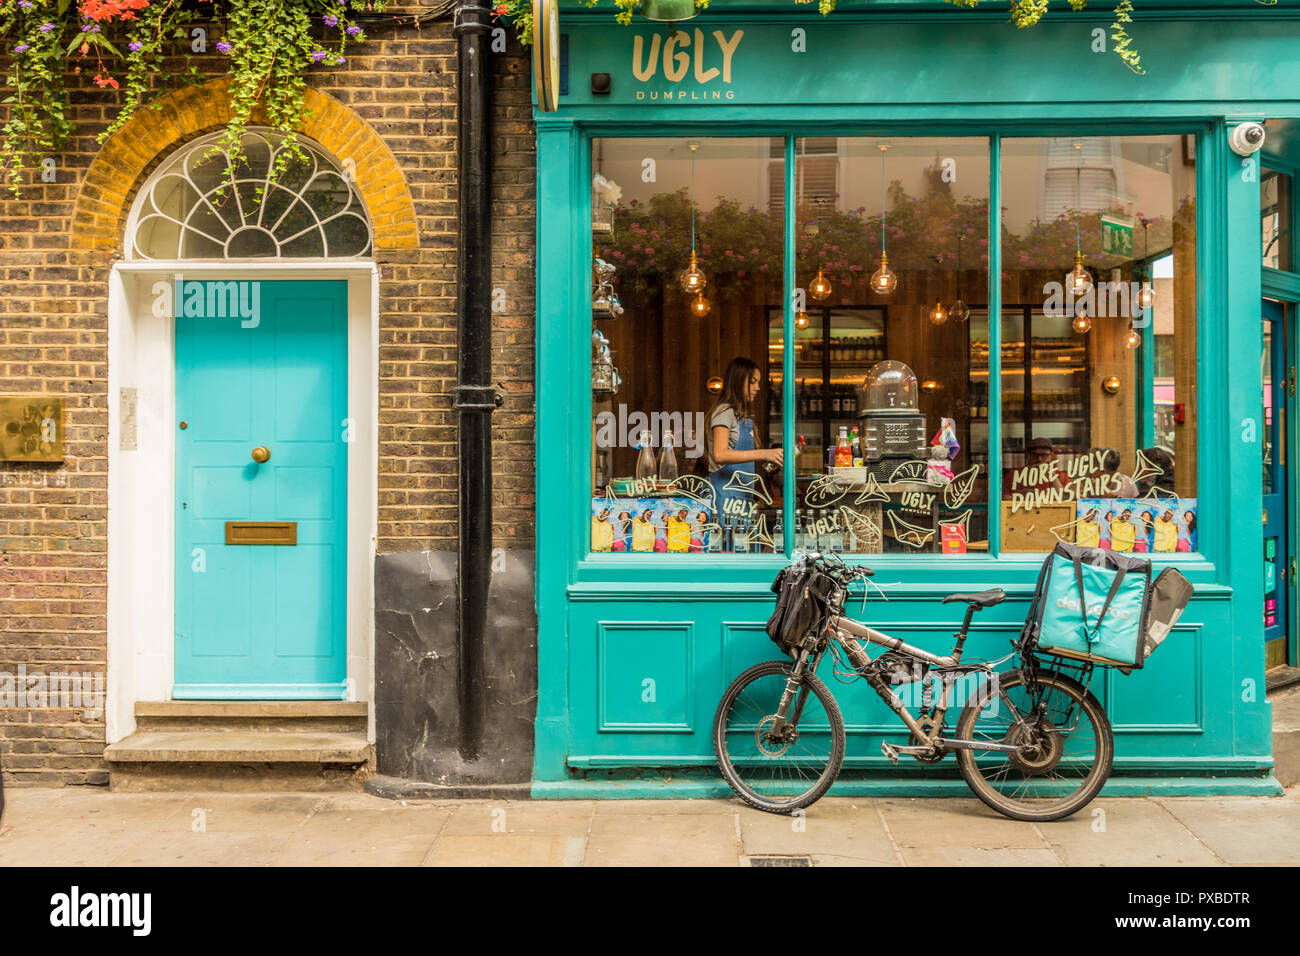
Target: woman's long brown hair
735	384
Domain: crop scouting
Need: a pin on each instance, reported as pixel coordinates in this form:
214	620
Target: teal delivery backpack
1093	605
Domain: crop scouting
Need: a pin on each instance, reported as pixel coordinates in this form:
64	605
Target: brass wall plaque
261	532
31	428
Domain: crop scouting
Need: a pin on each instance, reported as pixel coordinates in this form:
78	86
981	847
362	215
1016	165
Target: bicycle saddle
980	598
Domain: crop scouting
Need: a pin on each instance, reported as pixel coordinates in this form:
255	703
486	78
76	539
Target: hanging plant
266	47
1024	13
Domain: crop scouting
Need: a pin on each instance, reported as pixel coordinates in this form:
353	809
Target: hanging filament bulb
938	315
1146	295
693	279
1078	280
1082	323
699	306
959	311
883	280
820	287
801	319
1132	340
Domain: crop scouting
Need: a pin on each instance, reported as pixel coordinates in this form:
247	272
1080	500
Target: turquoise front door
261	456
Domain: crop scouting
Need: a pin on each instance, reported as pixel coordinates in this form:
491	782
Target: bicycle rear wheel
786	773
1068	741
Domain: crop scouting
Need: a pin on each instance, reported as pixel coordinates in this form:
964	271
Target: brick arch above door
104	199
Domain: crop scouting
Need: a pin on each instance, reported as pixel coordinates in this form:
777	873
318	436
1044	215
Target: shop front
931	293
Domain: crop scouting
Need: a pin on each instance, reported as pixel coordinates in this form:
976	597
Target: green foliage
266	47
1024	13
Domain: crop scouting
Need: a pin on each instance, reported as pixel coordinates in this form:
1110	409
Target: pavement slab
663	839
956	822
397	836
1242	830
1126	832
835	827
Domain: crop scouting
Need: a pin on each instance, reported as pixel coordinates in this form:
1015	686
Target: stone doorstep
251	708
1286	736
231	746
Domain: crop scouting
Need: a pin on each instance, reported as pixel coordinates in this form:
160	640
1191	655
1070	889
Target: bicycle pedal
890	751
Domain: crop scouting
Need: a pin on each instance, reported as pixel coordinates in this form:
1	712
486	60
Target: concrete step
299	716
1286	736
243	745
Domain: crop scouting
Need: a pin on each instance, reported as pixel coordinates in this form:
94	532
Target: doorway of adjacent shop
1278	373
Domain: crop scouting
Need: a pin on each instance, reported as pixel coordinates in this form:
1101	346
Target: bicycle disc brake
770	745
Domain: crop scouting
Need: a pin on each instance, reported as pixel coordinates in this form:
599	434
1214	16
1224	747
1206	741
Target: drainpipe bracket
471	18
476	398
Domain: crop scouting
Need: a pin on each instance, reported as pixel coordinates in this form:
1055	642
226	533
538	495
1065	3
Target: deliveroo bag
1091	605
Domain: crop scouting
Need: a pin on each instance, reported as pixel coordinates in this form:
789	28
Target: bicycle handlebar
833	565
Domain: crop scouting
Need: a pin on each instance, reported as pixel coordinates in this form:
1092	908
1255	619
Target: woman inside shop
732	449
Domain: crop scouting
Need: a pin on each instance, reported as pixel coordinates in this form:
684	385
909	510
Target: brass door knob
261	453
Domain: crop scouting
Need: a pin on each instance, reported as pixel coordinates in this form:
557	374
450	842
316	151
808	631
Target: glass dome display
890	386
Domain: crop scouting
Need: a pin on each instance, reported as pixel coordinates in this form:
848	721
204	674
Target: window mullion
995	347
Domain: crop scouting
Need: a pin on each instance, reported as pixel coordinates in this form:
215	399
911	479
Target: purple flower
353	30
318	55
22	48
223	46
47	27
341	59
330	20
25	4
135	46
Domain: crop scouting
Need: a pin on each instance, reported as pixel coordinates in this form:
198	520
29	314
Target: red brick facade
392	109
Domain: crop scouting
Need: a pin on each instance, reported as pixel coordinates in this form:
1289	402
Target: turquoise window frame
616	572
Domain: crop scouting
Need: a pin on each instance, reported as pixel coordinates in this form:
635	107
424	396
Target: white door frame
142	482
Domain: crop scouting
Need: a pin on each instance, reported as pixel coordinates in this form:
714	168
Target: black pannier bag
801	597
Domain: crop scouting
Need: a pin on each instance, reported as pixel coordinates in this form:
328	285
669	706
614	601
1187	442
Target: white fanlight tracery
193	208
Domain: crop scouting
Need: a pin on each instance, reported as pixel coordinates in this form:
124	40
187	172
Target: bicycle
1032	742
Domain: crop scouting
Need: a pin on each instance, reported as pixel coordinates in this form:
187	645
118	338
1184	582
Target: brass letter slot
261	532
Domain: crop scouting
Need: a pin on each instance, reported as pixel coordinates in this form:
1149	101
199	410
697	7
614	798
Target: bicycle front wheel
785	772
1066	741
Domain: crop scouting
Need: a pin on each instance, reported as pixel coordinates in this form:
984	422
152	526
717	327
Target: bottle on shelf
778	534
668	460
740	537
843	450
645	462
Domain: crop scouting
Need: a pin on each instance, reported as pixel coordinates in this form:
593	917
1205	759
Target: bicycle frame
850	635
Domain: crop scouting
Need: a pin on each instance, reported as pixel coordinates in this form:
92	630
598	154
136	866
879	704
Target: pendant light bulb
883	280
938	315
1079	280
699	306
820	288
693	279
801	319
1146	295
1082	323
959	311
1132	340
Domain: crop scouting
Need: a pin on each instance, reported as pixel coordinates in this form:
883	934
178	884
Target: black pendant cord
474	397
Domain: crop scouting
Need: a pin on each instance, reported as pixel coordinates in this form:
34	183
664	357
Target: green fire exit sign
1116	236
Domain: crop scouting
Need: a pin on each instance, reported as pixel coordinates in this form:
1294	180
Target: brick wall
53	338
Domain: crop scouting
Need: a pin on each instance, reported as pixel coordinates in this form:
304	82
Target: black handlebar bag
801	602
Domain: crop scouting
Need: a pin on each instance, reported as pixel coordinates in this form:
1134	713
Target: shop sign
1116	236
703	62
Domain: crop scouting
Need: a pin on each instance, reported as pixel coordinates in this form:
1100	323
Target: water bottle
741	539
645	462
778	537
667	461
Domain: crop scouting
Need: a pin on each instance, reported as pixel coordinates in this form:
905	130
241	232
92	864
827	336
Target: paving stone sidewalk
80	826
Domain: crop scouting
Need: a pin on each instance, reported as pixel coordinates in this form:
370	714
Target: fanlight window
191	208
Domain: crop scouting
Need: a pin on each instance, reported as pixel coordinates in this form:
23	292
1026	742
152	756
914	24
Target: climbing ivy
138	47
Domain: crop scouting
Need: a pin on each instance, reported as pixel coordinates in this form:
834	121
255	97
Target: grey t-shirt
722	415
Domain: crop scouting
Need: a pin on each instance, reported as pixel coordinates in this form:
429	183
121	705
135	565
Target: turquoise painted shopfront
1143	410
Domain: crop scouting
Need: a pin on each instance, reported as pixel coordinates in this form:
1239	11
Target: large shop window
688	264
1099	344
884	410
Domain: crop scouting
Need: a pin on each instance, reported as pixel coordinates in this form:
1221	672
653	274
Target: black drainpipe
474	396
